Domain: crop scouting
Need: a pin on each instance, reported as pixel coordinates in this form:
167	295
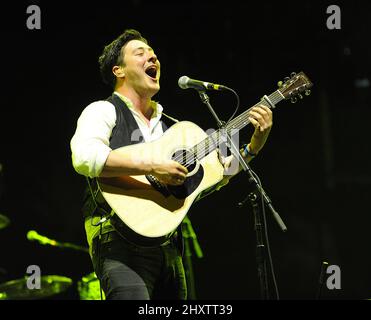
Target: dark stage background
315	165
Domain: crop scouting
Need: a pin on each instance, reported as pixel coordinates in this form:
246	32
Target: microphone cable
237	104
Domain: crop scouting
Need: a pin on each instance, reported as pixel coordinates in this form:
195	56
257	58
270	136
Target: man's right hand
169	172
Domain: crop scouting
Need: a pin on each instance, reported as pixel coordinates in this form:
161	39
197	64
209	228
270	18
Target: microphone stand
260	249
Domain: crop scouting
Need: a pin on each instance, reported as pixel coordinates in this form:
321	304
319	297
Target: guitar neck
210	143
242	120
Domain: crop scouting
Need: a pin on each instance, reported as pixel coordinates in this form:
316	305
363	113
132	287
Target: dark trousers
131	272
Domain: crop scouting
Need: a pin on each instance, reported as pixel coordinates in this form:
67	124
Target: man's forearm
126	161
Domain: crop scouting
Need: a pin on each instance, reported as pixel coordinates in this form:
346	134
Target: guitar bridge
158	185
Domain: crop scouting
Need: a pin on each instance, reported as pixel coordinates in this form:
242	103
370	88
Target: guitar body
152	210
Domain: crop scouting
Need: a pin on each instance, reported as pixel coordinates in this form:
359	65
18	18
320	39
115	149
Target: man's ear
118	71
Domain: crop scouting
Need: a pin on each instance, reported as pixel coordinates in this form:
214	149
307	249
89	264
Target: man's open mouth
151	71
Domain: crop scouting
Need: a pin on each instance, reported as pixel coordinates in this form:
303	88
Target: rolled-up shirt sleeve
90	143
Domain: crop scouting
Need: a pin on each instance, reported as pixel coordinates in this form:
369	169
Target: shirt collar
157	108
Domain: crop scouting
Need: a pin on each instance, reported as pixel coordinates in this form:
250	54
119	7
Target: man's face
141	68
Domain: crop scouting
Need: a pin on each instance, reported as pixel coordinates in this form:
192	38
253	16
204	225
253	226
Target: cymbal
49	286
4	221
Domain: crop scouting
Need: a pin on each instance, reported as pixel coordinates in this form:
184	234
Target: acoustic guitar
152	210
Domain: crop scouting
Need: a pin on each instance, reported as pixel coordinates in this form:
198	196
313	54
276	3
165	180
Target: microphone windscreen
182	82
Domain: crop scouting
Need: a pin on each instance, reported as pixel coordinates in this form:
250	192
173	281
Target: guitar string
275	97
236	122
204	145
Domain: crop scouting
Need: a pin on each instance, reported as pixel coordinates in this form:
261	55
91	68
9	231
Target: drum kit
49	286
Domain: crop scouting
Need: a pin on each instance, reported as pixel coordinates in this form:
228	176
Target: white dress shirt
90	143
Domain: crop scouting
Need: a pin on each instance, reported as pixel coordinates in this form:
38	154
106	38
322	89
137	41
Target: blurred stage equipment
190	237
3	273
49	286
4	221
32	235
89	288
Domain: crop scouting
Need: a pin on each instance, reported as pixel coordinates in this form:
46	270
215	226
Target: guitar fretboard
209	144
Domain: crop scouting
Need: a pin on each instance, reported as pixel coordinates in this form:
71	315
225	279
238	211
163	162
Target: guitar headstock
292	87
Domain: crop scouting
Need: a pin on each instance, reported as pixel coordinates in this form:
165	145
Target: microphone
32	235
185	82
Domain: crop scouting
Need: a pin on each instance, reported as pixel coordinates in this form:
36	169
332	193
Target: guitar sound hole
185	158
188	160
191	183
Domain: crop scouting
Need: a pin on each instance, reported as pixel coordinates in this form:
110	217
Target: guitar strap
171	118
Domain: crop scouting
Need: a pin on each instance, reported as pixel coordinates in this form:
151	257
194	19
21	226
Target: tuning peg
280	84
286	79
300	96
294	99
307	92
293	74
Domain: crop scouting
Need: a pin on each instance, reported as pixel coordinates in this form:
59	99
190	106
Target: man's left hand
261	118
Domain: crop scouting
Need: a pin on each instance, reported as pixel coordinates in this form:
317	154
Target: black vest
126	132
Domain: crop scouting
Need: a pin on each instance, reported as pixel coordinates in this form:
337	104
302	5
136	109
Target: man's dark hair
111	55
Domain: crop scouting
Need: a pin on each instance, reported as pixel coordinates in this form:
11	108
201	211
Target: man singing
129	270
